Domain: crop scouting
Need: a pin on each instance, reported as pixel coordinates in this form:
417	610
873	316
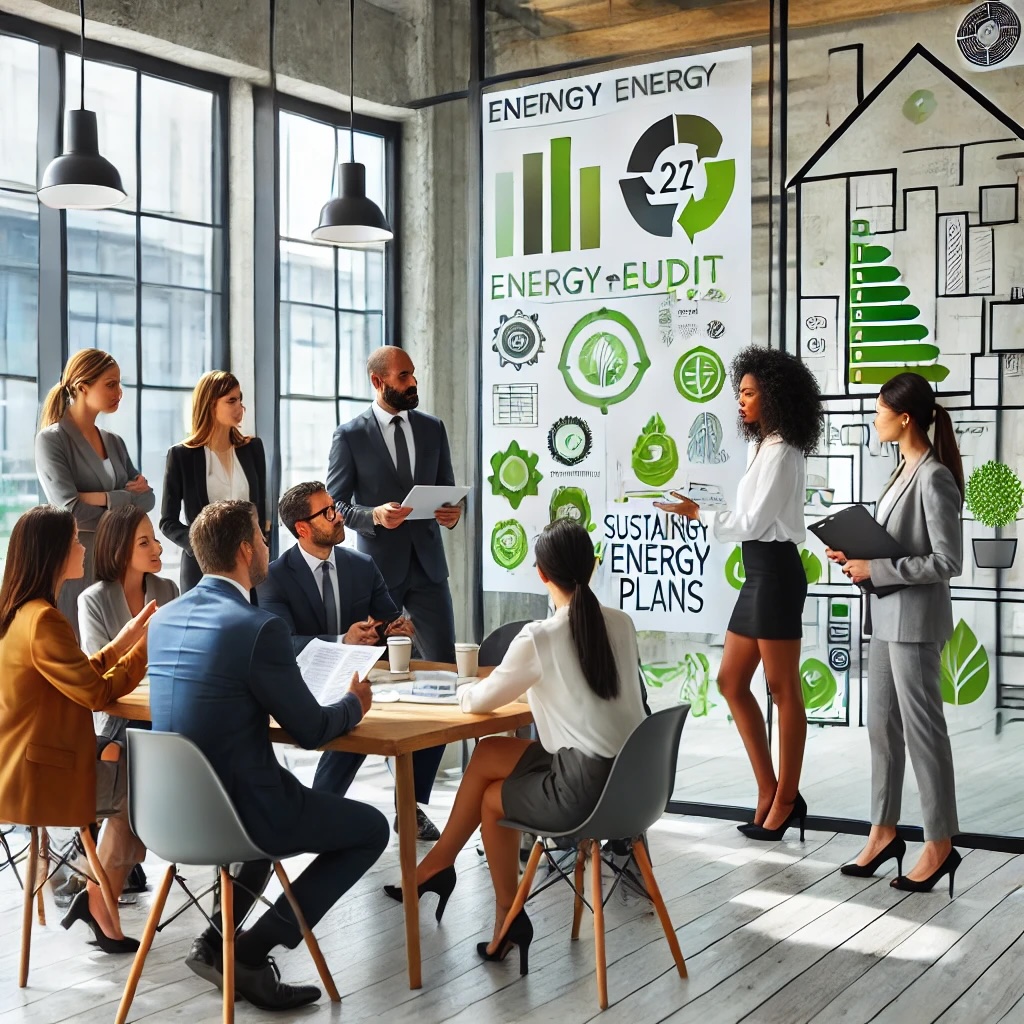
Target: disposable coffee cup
467	660
399	652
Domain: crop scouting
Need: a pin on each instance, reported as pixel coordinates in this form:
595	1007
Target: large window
144	281
333	302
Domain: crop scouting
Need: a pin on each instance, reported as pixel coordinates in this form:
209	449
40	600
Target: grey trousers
905	706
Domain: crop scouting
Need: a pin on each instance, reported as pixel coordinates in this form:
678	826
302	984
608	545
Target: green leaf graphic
818	684
655	456
964	669
734	571
812	566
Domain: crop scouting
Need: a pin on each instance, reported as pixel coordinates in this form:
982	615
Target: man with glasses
375	460
322	589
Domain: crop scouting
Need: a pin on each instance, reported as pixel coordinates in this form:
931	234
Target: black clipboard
857	533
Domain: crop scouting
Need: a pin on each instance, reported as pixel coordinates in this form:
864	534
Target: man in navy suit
219	669
375	460
336	593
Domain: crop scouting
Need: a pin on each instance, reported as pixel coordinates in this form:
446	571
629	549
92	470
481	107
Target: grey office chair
496	643
635	796
179	808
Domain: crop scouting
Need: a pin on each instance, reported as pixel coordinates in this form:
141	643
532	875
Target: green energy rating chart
615	289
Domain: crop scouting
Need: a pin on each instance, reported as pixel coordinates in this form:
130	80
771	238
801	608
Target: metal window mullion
139	382
337	303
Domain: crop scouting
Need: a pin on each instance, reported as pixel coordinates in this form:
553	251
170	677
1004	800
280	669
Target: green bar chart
559	190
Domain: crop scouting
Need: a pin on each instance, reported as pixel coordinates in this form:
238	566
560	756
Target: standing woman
48	686
81	467
216	462
920	507
780	412
127	559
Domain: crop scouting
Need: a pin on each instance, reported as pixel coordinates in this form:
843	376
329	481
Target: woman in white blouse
216	462
780	412
579	671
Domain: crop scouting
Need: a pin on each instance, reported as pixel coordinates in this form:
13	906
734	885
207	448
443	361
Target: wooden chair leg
109	899
643	861
577	908
598	899
26	914
152	922
524	887
307	933
227	915
42	872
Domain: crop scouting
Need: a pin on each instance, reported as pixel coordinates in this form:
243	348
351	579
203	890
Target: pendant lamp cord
352	81
81	55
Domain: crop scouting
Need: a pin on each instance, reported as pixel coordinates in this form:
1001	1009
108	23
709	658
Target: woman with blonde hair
81	467
216	462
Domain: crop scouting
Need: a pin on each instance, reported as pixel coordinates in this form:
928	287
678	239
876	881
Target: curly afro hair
790	398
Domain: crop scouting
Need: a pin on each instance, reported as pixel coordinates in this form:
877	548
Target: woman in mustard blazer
48	689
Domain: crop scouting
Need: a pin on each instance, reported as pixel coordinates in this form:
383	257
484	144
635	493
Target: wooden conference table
392	730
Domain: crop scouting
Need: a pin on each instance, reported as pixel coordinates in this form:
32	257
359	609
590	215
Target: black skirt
771	601
554	792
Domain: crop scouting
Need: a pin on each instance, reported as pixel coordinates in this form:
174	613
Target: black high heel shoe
773	835
79	911
947	867
520	933
894	848
443	883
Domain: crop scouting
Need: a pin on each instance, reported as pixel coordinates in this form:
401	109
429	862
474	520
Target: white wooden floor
771	933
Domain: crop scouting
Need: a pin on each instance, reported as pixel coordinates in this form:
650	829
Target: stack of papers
327	668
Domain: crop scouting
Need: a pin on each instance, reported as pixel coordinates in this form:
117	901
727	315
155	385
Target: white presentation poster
616	290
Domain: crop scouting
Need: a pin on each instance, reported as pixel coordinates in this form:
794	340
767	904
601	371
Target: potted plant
994	497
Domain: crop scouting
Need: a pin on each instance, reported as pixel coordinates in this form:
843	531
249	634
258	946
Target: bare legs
478	804
781	659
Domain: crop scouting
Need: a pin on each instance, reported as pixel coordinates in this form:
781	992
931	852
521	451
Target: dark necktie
330	605
402	461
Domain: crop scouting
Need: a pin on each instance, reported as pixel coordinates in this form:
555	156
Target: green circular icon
569	440
571	503
508	543
812	566
818	684
735	574
514	474
700	374
603	359
655	456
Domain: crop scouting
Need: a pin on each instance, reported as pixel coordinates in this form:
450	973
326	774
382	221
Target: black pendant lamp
81	179
352	220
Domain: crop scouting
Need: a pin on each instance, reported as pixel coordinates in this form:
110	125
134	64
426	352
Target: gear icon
518	340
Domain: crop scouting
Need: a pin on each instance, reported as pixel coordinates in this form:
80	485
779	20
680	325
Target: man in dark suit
219	668
375	460
321	589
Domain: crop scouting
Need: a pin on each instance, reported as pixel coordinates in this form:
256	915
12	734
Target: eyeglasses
330	513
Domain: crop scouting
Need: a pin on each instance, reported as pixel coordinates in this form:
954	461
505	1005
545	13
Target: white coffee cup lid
399	640
467	647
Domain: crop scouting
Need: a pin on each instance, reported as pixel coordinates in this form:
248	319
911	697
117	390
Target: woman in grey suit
81	467
920	507
127	559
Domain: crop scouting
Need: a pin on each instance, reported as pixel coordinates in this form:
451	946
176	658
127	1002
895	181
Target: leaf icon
964	669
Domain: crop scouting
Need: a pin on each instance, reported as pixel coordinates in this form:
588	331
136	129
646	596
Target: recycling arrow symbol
697	214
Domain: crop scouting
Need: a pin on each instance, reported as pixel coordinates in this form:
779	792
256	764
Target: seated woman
47	689
126	560
579	672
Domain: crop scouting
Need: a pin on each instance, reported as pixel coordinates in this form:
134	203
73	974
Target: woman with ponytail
578	670
81	467
920	507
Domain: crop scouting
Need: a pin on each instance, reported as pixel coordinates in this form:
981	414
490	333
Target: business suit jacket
291	591
925	519
48	689
185	484
362	475
219	669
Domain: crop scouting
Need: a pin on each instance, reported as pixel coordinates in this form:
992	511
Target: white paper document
424	500
327	668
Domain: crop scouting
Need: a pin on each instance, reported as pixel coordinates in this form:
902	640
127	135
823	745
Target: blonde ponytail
83	367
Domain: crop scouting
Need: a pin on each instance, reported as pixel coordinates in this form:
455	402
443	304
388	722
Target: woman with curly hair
780	413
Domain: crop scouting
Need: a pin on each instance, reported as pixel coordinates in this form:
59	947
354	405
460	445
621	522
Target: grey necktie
402	461
330	605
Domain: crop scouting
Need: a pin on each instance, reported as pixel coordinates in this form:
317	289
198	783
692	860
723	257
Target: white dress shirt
387	429
770	497
542	662
223	484
315	562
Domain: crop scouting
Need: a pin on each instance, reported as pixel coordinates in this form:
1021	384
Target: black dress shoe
262	986
207	960
426	830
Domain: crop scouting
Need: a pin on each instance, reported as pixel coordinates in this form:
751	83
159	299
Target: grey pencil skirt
554	792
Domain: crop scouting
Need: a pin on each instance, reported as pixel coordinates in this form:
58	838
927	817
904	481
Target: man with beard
375	460
219	669
320	589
